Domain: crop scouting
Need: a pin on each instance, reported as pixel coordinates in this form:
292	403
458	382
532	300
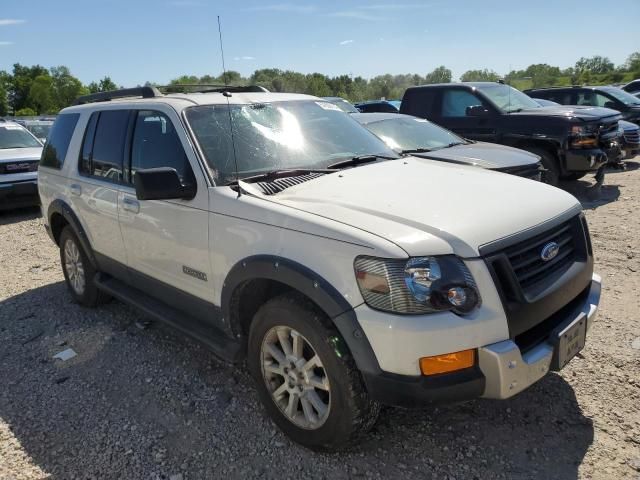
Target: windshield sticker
328	106
12	127
421	120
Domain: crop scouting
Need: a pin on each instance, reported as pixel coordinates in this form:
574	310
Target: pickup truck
571	140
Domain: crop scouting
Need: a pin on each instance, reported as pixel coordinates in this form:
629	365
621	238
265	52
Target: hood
12	154
485	155
627	126
585	113
410	201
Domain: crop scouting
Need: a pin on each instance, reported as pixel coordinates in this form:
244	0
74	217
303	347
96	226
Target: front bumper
502	370
579	161
19	194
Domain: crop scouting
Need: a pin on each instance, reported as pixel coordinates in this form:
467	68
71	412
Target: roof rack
144	92
211	88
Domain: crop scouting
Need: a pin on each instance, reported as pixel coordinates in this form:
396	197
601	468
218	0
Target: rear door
94	193
167	241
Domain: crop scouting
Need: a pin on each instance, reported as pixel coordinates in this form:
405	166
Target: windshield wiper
416	150
359	160
275	174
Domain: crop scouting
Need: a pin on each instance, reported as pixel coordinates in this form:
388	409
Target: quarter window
57	145
156	144
455	103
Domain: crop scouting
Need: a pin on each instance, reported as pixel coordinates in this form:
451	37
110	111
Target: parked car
342	104
345	275
571	141
19	155
629	139
418	137
632	87
608	97
39	127
377	106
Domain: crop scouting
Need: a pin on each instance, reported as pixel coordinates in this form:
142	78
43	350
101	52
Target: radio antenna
227	94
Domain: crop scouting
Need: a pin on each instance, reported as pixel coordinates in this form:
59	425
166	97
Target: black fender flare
62	208
313	286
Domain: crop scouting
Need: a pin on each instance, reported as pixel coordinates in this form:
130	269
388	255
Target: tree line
36	90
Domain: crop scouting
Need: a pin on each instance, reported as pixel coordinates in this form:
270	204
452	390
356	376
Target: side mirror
161	184
611	105
477	111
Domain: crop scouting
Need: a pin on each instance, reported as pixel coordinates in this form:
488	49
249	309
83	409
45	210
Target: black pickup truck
571	141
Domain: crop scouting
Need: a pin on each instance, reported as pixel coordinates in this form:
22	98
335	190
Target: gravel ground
141	401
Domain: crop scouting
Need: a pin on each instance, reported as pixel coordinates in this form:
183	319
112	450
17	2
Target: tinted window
108	144
418	102
455	103
156	144
55	151
563	98
594	99
87	143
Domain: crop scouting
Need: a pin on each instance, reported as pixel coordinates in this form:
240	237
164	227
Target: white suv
274	228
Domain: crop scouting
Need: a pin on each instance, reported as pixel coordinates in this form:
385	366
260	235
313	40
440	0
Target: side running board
221	345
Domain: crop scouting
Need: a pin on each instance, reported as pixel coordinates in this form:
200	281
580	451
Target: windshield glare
13	136
278	136
507	98
623	96
407	133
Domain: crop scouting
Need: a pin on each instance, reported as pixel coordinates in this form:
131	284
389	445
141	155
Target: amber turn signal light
449	362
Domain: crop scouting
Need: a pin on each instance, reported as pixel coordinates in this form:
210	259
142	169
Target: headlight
584	136
418	285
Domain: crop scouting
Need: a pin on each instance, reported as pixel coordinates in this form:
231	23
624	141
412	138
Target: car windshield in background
279	136
621	95
507	98
407	133
343	105
16	137
40	130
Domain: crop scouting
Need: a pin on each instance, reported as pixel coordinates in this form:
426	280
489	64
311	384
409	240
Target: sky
134	41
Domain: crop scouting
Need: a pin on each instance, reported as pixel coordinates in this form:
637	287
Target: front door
167	241
454	115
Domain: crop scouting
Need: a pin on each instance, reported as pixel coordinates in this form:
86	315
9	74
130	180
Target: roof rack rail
144	92
211	88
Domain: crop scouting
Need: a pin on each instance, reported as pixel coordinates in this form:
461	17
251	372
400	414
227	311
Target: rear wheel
551	175
307	381
78	271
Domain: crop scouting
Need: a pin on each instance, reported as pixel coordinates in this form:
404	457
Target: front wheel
551	175
306	379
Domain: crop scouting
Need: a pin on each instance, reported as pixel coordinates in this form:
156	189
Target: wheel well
249	296
546	146
57	222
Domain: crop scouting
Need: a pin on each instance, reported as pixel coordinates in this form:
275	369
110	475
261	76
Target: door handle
131	205
75	189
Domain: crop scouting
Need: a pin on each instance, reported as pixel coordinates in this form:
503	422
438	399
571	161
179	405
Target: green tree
41	95
633	62
4	101
317	85
26	112
439	75
485	75
595	64
21	81
66	87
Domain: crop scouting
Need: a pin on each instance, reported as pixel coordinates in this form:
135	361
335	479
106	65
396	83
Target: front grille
277	185
632	136
526	260
531	171
18	167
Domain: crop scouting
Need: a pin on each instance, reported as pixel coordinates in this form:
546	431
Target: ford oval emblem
549	251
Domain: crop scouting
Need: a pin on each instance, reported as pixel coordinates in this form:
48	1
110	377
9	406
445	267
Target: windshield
507	98
14	136
343	105
279	136
40	130
621	95
409	133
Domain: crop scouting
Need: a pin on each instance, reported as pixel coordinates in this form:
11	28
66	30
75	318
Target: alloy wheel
74	267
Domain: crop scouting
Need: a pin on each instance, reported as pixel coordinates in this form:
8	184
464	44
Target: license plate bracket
569	342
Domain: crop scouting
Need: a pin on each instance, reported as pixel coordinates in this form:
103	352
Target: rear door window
103	150
419	102
57	145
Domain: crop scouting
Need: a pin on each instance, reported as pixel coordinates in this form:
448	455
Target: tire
573	176
349	412
78	271
551	175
